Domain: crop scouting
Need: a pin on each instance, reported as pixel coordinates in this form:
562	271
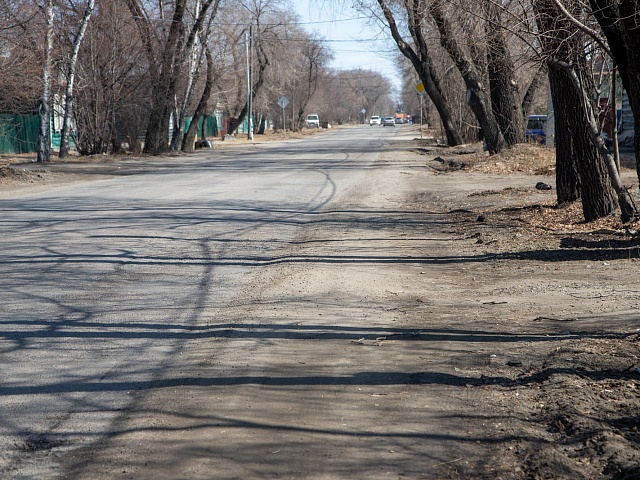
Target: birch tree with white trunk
44	109
71	75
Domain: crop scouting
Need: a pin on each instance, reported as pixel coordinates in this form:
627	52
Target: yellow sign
419	87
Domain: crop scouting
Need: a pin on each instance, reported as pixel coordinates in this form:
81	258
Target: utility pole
421	107
248	36
614	115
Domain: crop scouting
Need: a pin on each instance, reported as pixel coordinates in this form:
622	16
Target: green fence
18	133
211	129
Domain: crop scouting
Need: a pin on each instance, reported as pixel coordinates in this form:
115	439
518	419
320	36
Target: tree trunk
627	207
567	178
189	139
300	117
44	110
157	137
477	97
203	130
423	64
576	112
311	86
619	22
505	97
262	125
234	122
166	77
595	187
71	75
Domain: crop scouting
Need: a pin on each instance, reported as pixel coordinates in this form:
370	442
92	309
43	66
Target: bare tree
111	99
596	170
266	18
505	96
44	110
313	58
373	88
477	95
21	73
263	62
70	77
417	51
189	138
619	22
167	56
190	59
358	89
229	60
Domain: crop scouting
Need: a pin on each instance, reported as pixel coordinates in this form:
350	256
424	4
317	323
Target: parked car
374	120
313	120
536	129
388	122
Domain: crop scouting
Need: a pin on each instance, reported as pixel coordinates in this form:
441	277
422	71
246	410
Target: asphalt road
104	284
308	310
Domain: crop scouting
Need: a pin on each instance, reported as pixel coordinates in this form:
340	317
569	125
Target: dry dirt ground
552	302
574	399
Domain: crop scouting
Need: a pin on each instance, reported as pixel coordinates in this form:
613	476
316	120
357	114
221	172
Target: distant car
399	120
536	129
313	120
388	122
374	120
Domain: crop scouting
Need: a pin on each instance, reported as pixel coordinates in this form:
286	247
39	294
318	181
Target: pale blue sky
355	43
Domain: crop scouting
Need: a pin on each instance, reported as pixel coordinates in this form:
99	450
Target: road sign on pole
283	102
421	116
419	87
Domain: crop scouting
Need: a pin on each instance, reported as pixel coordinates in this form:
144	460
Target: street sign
419	87
363	111
283	102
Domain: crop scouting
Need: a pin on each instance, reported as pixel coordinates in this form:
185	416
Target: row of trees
502	51
122	67
119	69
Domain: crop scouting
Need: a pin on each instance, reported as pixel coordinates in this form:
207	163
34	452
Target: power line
339	40
329	21
281	24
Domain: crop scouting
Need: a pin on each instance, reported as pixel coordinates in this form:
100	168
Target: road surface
284	310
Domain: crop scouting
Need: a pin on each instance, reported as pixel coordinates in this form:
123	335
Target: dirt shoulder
565	292
495	336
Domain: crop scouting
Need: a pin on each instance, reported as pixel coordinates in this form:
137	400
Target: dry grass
526	159
569	219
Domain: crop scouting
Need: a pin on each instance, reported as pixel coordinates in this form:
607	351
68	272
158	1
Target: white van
313	120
